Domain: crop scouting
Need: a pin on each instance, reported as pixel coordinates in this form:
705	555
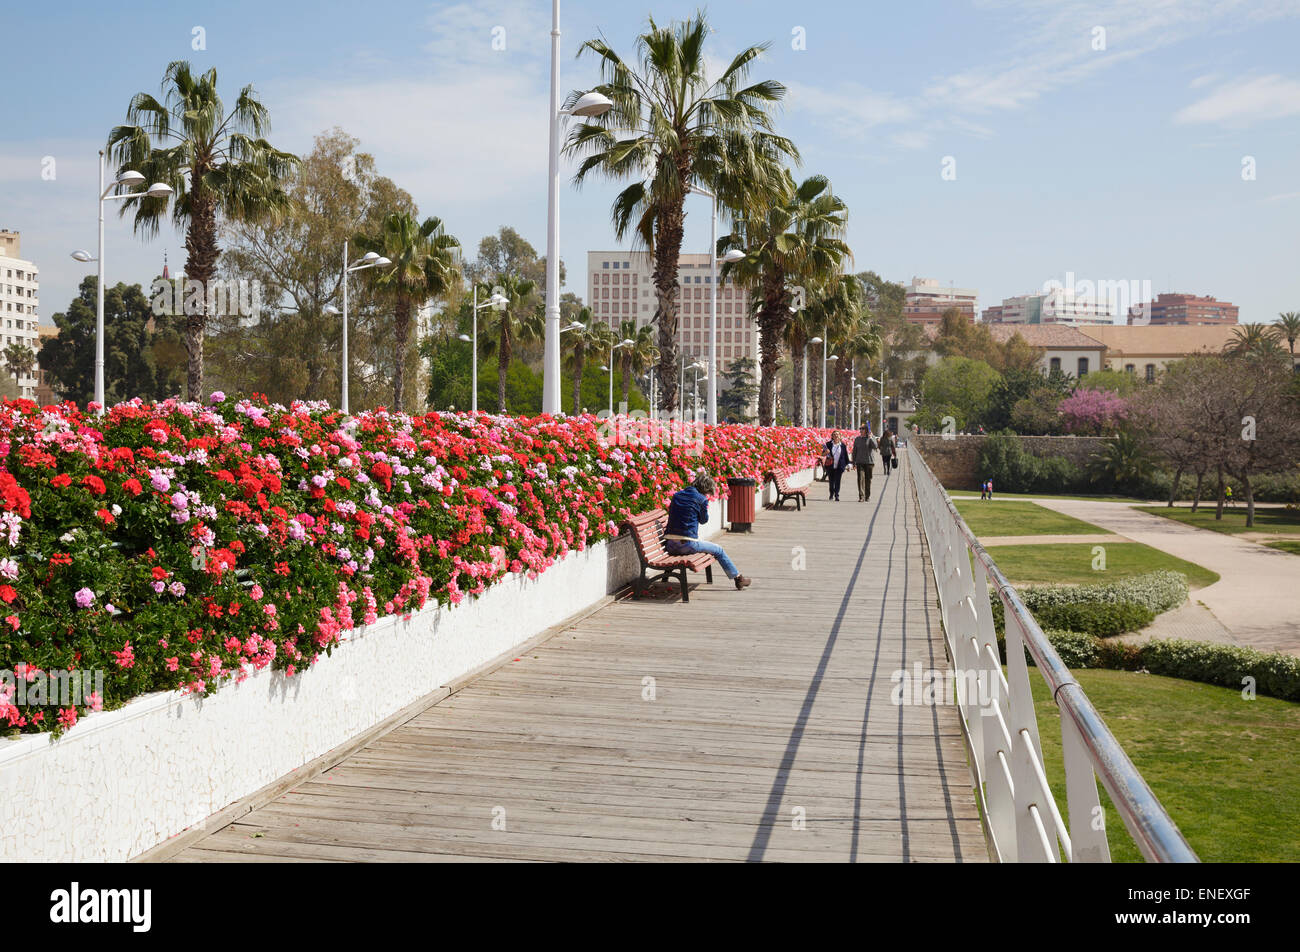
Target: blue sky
1122	163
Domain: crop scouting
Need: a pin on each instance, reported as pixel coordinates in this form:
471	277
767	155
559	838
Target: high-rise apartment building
1183	309
925	301
620	288
19	303
1055	306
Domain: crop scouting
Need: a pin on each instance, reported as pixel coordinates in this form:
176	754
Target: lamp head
83	256
464	337
331	310
130	178
383	262
592	104
370	256
734	255
159	190
814	340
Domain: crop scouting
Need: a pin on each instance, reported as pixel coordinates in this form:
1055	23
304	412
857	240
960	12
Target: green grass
974	494
1020	518
1286	545
1234	518
1071	563
1225	768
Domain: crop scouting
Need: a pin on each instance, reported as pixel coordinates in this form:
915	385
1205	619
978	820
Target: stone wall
955	459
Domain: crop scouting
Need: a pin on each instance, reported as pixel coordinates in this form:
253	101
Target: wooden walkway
754	725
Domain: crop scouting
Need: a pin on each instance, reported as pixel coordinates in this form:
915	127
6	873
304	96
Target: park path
1256	601
771	734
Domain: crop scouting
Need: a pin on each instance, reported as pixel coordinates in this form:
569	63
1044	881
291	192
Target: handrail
1091	750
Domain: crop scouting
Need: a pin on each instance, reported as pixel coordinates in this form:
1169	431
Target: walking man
864	446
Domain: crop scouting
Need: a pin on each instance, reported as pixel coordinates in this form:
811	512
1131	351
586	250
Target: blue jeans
683	547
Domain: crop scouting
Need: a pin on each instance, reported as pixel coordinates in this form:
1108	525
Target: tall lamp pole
825	360
625	342
814	340
882	400
587	105
370	259
735	254
127	179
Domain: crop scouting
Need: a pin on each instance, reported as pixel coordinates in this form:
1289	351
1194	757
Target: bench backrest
648	533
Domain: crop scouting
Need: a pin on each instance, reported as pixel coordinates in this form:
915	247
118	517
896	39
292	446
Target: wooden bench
785	491
647	530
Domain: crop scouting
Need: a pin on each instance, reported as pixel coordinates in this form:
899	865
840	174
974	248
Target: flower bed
175	546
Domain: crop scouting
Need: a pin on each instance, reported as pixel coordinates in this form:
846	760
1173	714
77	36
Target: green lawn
974	494
1020	518
1286	545
1234	518
1071	563
1226	769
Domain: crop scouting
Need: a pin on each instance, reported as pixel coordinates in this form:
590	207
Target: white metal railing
997	714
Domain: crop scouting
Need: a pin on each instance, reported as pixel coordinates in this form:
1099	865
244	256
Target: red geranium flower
94	484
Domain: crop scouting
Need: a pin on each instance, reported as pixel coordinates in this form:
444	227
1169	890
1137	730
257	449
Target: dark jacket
887	448
843	461
689	507
862	447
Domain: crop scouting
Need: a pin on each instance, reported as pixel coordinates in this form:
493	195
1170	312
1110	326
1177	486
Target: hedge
1275	674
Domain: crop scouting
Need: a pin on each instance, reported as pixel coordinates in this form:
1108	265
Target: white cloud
1245	101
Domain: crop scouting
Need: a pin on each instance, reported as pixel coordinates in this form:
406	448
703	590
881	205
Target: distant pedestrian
864	445
888	451
984	489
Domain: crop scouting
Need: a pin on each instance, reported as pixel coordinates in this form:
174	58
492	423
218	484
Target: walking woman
837	460
887	451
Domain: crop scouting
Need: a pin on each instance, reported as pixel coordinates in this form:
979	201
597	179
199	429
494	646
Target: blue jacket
689	507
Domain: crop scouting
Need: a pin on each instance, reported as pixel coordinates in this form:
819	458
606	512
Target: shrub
1275	674
1103	619
1158	591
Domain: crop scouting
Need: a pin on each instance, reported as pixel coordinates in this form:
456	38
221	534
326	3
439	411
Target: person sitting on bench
689	508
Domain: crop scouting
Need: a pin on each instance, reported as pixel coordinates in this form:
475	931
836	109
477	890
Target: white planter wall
123	781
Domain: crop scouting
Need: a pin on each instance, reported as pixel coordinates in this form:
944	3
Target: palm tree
517	321
1288	326
802	328
426	265
794	241
680	130
219	166
580	344
1252	339
837	311
18	360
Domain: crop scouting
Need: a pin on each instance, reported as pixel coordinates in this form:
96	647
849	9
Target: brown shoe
742	582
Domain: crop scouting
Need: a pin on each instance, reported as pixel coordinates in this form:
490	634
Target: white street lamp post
370	259
157	190
804	415
590	104
825	360
625	342
731	256
882	400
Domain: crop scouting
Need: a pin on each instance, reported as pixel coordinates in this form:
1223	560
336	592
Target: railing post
1087	819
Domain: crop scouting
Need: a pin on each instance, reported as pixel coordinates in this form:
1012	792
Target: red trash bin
740	504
